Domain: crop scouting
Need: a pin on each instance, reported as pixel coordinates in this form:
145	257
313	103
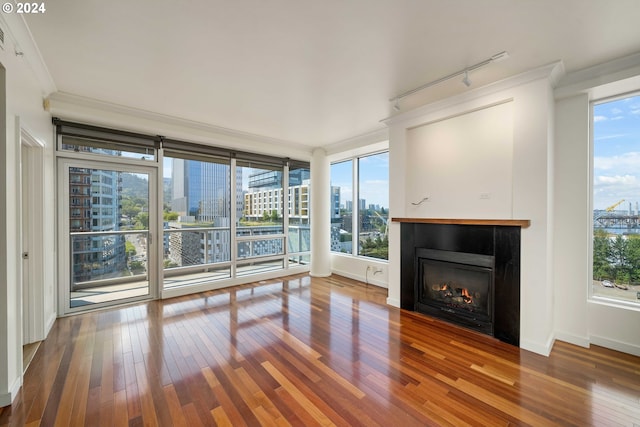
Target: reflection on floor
28	352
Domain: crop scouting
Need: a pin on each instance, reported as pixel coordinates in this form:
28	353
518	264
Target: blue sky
374	179
616	149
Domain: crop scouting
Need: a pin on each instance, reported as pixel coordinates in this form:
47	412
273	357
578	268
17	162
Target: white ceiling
312	72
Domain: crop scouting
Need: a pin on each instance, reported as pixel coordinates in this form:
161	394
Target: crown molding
365	139
25	46
552	72
80	108
585	80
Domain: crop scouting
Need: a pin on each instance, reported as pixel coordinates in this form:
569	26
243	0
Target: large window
144	214
197	219
616	199
342	207
367	199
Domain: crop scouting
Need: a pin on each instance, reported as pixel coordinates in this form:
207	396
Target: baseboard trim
616	345
573	339
7	399
393	302
542	349
360	278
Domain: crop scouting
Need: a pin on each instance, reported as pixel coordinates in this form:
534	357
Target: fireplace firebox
457	287
487	252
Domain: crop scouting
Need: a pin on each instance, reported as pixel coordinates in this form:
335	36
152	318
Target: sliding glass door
108	214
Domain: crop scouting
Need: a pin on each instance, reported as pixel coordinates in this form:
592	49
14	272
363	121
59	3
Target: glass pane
342	206
257	248
259	267
299	233
109	222
373	206
616	200
260	192
197	219
106	148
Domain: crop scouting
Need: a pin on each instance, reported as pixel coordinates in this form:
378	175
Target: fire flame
466	296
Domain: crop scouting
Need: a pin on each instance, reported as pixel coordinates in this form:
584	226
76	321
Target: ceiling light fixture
495	58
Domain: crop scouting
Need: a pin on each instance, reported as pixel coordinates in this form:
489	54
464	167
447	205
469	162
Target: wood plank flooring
306	351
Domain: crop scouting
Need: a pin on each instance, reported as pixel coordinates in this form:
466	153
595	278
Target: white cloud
599	118
614	136
625	163
616	111
617	180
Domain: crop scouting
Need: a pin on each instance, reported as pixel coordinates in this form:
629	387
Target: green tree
618	259
129	248
601	255
633	259
170	216
142	221
274	216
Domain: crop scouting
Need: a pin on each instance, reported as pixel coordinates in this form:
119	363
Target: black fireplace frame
500	241
481	322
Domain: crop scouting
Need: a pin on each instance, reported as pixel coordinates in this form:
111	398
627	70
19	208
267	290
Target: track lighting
495	58
466	80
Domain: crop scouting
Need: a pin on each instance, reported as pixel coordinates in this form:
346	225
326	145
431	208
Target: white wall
24	94
463	165
527	114
581	319
571	219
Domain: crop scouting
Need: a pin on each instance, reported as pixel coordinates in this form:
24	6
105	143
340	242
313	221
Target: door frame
64	247
32	227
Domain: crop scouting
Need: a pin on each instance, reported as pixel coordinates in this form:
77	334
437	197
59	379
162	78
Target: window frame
355	158
592	296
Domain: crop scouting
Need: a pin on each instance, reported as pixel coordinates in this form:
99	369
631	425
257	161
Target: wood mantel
524	223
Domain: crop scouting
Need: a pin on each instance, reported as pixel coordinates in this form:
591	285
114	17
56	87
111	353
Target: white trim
360	278
539	348
573	339
7	399
393	302
616	345
364	140
586	80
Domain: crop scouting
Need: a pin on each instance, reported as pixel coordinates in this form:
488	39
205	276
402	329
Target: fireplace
462	260
456	286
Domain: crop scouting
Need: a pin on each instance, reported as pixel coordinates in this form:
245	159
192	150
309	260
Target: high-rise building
201	193
94	204
201	190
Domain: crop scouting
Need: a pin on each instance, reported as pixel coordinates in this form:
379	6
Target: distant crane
615	205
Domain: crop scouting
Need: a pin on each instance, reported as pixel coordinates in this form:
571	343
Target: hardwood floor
306	351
